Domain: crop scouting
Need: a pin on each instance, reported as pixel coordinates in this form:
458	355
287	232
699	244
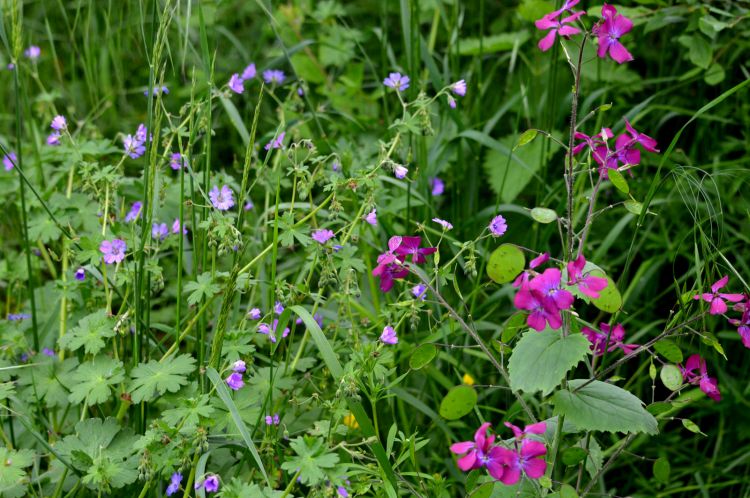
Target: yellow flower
351	422
468	379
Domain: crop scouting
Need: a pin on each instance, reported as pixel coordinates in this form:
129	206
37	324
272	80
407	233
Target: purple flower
419	291
235	84
254	314
17	317
141	134
270	331
9	161
459	88
135	212
275	76
176	227
300	91
80	274
221	199
322	236
33	52
389	336
446	225
548	285
59	123
609	30
397	82
53	139
249	72
276	143
498	226
235	381
48	352
372	217
451	102
543	309
174	484
133	147
614	337
273	420
210	484
239	366
556	27
162	90
278	308
437	185
400	171
249	205
176	161
159	231
336	166
113	251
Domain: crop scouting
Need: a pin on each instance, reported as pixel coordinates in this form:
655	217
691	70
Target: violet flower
437	186
389	336
9	161
322	236
270	331
174	484
235	381
372	217
80	274
498	226
135	212
397	81
274	76
223	199
59	123
445	224
235	83
254	314
249	72
113	251
159	231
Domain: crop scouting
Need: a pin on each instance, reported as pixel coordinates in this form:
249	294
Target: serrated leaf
671	377
93	381
90	333
540	360
312	459
153	378
669	350
13	477
543	215
505	263
618	180
599	406
459	401
202	288
422	356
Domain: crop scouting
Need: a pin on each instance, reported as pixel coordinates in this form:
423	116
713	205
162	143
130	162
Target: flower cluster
391	263
273	419
236	82
708	385
718	306
624	153
235	380
608	339
59	125
504	463
270	330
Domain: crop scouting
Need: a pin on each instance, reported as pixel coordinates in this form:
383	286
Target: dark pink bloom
548	285
587	284
529	460
543	309
567	5
614	337
597	144
743	324
410	245
609	31
716	298
556	27
388	270
538	428
708	385
646	142
480	453
539	260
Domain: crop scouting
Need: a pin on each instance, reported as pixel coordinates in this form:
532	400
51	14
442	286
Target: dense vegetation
419	248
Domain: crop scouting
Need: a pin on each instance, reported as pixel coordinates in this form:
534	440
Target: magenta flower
174	484
221	199
437	185
568	5
646	142
322	236
459	88
388	270
410	246
597	144
539	260
274	76
254	314
135	212
276	143
53	139
397	82
113	251
609	30
548	285
80	274
587	284
445	224
480	453
59	123
235	381
372	217
498	226
543	309
529	460
614	337
743	324
249	72
716	298
556	27
235	83
400	171
708	385
389	336
33	52
270	331
9	161
538	428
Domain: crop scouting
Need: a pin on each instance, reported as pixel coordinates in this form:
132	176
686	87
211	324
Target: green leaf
543	215
511	328
700	52
13	478
715	74
671	377
710	340
540	360
662	470
669	350
494	43
618	180
90	333
659	407
422	356
691	426
566	491
94	380
505	263
189	412
633	206
459	401
202	288
573	455
526	137
609	299
312	459
153	378
235	118
599	406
